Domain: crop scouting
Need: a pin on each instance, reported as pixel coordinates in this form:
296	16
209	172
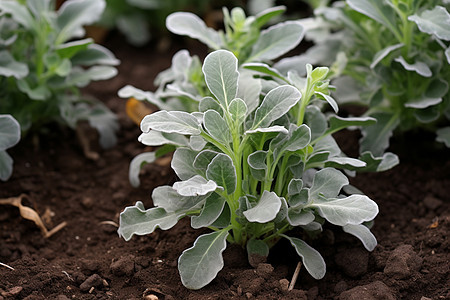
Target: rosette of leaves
9	136
183	86
43	65
392	56
251	170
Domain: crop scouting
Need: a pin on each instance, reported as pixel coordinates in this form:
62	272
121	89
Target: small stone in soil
264	270
124	266
432	202
93	281
340	287
354	262
373	291
402	262
284	284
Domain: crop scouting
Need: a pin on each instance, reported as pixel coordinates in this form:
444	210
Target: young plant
43	65
391	56
183	86
9	136
251	171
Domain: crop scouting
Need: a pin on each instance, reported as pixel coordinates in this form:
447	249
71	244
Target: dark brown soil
87	259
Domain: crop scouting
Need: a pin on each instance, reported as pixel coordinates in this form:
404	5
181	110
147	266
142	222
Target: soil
88	260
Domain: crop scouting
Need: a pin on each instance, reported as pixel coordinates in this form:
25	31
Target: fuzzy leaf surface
363	234
266	210
222	171
171	122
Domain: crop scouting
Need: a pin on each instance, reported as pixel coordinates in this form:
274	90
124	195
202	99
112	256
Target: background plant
9	136
253	170
43	65
391	56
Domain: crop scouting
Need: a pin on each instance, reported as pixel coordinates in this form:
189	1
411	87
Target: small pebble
432	202
284	284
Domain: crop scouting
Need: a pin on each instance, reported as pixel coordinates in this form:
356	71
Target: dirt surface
87	259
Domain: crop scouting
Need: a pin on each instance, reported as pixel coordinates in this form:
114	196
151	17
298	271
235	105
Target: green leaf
419	67
300	199
168	198
376	137
6	165
19	13
328	183
183	23
73	15
208	103
217	127
129	91
200	264
379	164
363	234
267	14
380	55
249	89
68	50
137	220
330	101
347	163
222	171
434	21
40	92
82	77
265	69
272	129
157	138
9	132
92	55
10	67
299	217
443	136
316	121
276	103
221	76
297	139
171	122
211	211
195	186
257	164
311	258
203	159
136	164
337	123
295	186
257	252
276	41
182	163
354	209
238	111
266	210
376	10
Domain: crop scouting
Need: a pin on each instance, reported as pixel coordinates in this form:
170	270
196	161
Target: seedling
253	170
43	65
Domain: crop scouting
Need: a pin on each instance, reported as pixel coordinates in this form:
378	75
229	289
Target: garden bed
87	259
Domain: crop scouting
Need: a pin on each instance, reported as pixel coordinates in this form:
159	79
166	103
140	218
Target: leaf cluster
253	167
43	65
392	56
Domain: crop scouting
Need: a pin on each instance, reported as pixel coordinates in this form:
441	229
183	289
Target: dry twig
294	277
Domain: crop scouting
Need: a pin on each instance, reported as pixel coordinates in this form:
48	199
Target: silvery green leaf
9	132
327	183
434	21
295	186
276	128
224	219
380	55
347	163
447	54
73	15
379	164
330	101
276	41
257	251
300	199
266	210
69	49
195	186
94	55
197	143
311	258
376	10
238	111
135	166
316	121
419	67
223	172
348	89
129	91
221	75
317	159
203	159
171	122
298	138
135	28
200	264
19	13
443	136
363	234
282	213
137	220
337	123
184	23
265	69
211	210
264	16
217	127
249	89
437	89
257	164
376	137
168	198
313	226
298	217
6	165
354	209
423	102
10	67
182	163
427	115
82	77
208	103
157	138
275	104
